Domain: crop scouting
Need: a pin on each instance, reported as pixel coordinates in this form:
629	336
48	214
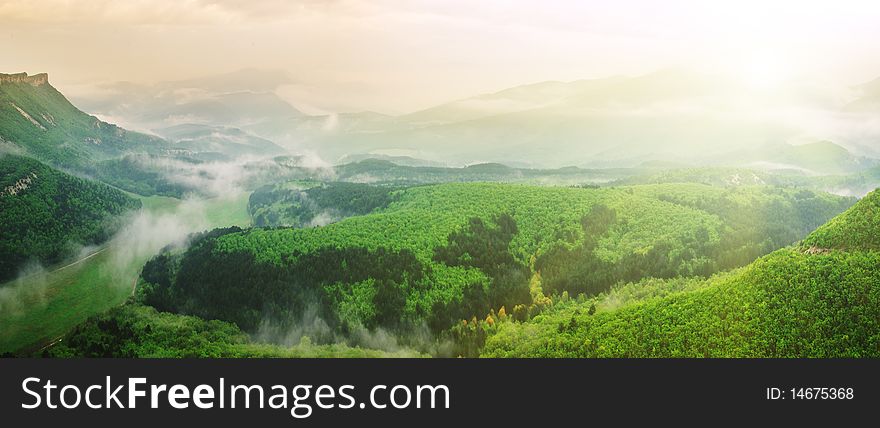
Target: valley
45	304
221	238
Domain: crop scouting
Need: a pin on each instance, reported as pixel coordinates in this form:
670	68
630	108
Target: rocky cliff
35	80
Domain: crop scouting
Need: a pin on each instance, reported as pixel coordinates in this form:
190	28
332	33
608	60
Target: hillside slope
857	229
819	299
46	214
439	254
39	120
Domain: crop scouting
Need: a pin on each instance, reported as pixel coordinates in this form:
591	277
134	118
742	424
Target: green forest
136	331
439	255
47	215
815	299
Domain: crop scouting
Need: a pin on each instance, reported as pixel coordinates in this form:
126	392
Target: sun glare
765	72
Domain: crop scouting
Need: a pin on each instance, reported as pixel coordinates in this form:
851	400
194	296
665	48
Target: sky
401	56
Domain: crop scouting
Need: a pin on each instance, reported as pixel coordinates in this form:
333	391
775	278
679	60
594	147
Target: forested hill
40	121
858	229
304	204
440	254
820	298
47	214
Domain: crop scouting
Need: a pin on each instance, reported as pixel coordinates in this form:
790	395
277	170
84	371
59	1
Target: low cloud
146	233
225	178
28	290
311	328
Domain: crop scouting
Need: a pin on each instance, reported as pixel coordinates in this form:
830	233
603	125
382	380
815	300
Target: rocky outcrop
35	80
25	115
19	186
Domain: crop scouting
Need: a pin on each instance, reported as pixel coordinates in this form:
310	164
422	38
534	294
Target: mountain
218	142
165	108
245	97
816	299
671	115
376	170
621	121
48	215
37	120
235	108
823	157
578	96
510	100
397	160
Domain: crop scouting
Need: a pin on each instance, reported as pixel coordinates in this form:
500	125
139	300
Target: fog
29	289
224	179
662	114
146	233
311	328
118	261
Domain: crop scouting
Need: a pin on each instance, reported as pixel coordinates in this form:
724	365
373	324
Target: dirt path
73	263
104	248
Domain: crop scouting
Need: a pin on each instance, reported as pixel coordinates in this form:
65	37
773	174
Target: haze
401	56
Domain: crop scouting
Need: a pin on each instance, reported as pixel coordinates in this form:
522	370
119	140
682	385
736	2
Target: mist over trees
48	215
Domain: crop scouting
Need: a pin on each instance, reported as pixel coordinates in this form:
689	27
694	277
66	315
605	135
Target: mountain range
670	115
